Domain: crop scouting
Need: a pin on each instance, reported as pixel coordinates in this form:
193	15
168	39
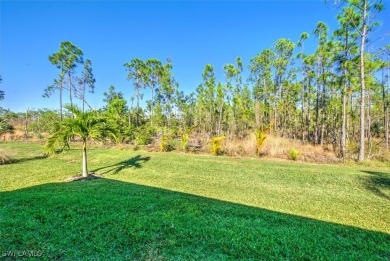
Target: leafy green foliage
166	143
115	111
5	121
144	136
184	141
216	145
5	126
261	136
184	137
293	154
86	125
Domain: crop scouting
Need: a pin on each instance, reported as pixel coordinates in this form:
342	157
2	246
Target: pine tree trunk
303	113
343	124
257	112
70	90
151	108
316	131
83	97
362	83
61	102
220	120
369	122
344	103
385	107
308	117
317	119
387	127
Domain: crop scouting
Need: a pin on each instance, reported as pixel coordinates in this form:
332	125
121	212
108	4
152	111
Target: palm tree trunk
85	167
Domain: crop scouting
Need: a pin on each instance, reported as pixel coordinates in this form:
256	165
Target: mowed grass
168	206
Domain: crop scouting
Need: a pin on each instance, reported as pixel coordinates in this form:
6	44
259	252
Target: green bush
293	154
216	145
184	142
260	139
128	135
185	134
143	136
167	143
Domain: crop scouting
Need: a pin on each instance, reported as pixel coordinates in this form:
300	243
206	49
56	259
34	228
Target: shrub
166	143
216	145
143	136
128	134
185	134
184	142
293	154
260	139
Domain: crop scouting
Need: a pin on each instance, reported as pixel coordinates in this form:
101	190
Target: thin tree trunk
385	107
308	116
343	123
323	100
25	125
136	115
303	112
61	102
347	117
220	120
85	167
151	107
83	96
344	103
322	129
362	83
316	134
369	122
70	89
257	112
387	127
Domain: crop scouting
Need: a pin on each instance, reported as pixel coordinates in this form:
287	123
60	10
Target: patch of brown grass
241	147
280	148
276	147
5	157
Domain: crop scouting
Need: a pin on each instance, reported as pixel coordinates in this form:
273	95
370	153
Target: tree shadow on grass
21	160
134	162
105	219
377	183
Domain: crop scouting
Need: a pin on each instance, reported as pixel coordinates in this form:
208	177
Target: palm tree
86	125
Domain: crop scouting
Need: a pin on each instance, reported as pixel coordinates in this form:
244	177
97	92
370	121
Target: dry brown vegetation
273	147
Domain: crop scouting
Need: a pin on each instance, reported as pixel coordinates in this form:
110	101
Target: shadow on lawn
377	182
107	219
21	160
117	167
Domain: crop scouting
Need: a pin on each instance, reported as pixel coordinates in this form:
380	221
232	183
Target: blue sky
191	33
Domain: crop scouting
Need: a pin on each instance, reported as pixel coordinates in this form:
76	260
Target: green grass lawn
167	206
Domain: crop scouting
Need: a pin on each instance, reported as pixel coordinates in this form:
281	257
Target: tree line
337	95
